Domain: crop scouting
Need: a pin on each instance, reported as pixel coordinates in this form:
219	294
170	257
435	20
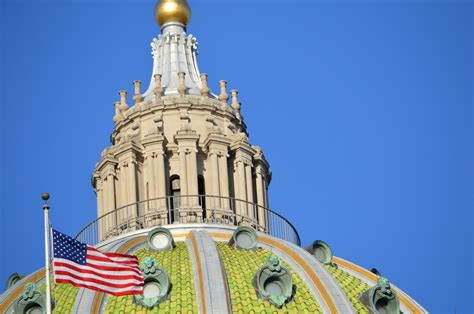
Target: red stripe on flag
105	259
101	269
113	254
91	272
126	292
97	281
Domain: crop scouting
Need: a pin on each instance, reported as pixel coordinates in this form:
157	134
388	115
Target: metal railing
188	209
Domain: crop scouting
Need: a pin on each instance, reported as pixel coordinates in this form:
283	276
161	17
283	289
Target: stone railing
188	210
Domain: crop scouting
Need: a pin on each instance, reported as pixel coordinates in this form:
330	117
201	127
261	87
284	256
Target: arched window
175	201
202	194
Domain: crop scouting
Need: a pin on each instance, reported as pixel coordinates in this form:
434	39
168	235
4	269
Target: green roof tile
352	286
64	295
241	266
177	263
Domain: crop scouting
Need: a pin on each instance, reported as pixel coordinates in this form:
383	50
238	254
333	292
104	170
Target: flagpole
45	197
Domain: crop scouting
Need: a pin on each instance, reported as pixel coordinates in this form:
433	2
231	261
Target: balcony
189	209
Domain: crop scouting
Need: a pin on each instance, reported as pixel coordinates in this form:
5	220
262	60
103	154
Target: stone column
241	192
249	186
149	182
224	181
111	218
187	148
215	179
191	162
122	195
218	146
132	189
183	176
154	151
100	206
160	179
267	205
99	194
260	196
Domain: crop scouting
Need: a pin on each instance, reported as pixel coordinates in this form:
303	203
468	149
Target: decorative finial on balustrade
137	97
157	90
181	86
123	100
223	97
204	89
118	113
235	103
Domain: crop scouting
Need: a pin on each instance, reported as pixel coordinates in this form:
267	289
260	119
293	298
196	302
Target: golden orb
172	11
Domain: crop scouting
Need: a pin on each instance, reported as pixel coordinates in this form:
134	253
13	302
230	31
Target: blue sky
363	109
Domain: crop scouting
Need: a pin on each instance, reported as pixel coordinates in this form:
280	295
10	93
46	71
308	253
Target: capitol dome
183	189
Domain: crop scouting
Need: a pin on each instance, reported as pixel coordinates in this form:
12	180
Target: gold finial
172	11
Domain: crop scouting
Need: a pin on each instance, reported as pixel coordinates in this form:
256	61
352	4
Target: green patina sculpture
321	251
157	284
245	238
381	298
273	282
13	279
31	298
160	239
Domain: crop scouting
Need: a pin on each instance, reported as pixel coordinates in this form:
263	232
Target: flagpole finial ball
45	196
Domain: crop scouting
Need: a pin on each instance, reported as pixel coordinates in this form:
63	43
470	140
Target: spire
174	51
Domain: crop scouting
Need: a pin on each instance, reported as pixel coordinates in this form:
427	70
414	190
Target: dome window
244	238
321	251
157	285
273	282
160	239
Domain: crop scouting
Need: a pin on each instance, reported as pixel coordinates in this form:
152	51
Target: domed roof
209	270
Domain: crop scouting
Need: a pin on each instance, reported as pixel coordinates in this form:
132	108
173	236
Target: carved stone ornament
157	285
273	282
381	298
32	300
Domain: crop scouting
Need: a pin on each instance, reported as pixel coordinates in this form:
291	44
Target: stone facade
179	140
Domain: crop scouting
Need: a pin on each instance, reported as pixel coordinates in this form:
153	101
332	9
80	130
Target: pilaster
155	176
187	150
217	149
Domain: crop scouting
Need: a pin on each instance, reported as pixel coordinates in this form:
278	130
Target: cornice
215	138
153	139
128	147
244	147
105	161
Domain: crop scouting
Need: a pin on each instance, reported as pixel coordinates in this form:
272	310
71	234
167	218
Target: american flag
84	266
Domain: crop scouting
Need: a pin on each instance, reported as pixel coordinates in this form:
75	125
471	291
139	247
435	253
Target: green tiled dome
241	266
177	263
353	287
197	257
64	295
